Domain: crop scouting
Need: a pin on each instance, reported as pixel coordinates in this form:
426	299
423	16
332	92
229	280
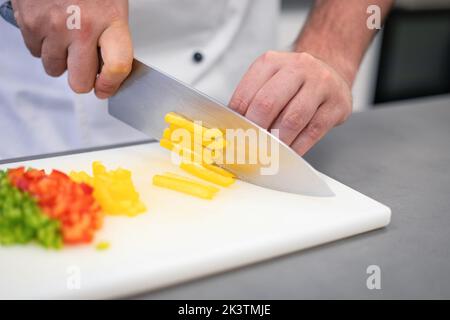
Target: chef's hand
103	33
296	93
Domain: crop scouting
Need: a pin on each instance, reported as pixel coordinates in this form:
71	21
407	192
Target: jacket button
197	57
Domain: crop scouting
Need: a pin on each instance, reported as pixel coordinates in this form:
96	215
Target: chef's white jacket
40	114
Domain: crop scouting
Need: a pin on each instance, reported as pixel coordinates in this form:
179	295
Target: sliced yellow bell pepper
167	134
187	154
184	186
180	177
202	172
219	170
177	121
211	138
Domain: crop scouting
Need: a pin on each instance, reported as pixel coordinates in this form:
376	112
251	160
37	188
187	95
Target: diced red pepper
73	204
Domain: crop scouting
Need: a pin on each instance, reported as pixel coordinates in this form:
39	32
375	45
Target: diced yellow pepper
184	186
114	190
177	121
200	171
82	177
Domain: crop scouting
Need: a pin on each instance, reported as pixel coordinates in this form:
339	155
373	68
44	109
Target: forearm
337	33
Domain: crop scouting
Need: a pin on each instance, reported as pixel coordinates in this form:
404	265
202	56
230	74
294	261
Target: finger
54	57
259	73
299	112
82	66
326	117
32	41
117	54
275	94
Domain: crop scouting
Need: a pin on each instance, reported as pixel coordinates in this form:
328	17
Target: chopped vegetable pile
50	209
56	209
197	159
114	190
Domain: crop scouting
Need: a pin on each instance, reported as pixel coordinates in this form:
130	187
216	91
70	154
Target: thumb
116	51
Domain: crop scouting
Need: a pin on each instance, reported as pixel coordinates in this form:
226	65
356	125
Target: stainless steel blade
148	95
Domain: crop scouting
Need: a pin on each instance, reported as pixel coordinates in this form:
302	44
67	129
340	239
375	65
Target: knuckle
293	71
268	57
264	105
292	120
316	129
239	104
29	22
326	75
55	20
303	58
86	32
115	13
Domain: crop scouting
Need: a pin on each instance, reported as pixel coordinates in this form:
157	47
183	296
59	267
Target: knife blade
149	94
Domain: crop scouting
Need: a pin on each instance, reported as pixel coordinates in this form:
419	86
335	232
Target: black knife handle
7	13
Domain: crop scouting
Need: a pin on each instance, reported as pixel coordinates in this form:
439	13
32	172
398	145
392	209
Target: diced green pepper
21	219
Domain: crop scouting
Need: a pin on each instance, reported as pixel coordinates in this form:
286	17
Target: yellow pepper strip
219	170
114	190
181	122
167	134
214	139
211	139
180	177
165	143
211	152
184	186
200	171
177	121
186	153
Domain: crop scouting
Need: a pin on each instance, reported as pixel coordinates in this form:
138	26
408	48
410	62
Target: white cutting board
180	237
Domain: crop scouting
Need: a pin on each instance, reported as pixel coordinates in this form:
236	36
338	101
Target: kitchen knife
148	95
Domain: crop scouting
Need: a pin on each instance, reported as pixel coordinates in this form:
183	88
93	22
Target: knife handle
7	13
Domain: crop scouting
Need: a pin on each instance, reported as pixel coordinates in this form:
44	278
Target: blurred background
404	61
